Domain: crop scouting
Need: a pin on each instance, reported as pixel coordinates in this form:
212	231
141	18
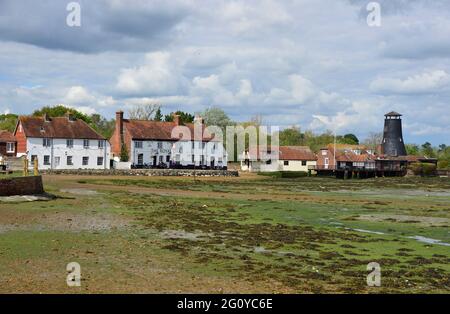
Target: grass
248	234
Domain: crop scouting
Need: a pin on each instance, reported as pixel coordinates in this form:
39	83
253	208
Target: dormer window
46	142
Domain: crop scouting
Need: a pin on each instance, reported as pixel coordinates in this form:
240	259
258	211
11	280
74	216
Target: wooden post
35	166
25	166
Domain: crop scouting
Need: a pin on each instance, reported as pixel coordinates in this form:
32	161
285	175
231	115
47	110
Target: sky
314	64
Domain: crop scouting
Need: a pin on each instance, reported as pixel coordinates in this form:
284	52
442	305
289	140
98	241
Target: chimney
176	119
119	128
198	119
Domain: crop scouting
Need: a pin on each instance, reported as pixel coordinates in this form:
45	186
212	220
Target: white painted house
152	144
285	158
61	143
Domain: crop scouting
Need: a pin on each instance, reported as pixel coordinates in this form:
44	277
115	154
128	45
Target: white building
61	143
160	144
286	158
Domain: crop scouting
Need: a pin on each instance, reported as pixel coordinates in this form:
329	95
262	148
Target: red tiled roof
60	127
158	130
6	136
286	152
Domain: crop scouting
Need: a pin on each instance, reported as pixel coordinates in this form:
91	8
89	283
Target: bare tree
143	112
373	140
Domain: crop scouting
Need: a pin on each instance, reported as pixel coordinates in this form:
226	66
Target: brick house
152	144
61	143
345	155
8	144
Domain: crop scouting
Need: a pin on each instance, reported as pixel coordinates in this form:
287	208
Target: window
86	143
203	145
324	153
286	162
303	162
69	160
327	161
160	159
46	142
168	158
69	143
46	160
85	161
101	144
180	150
10	147
160	145
57	161
140	159
99	161
138	144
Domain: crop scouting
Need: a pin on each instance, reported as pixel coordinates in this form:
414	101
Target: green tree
61	111
124	153
412	149
291	137
102	125
158	115
185	117
427	150
216	116
351	139
8	122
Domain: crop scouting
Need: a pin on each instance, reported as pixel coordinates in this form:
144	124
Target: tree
217	117
8	122
185	117
102	125
291	137
158	115
124	153
351	139
412	149
61	111
143	112
373	140
427	150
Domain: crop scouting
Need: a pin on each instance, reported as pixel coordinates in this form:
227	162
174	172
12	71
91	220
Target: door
57	161
212	162
154	160
140	160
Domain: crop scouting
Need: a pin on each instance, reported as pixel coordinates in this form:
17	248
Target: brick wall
21	186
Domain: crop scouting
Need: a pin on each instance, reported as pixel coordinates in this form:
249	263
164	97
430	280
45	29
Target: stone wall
21	186
148	172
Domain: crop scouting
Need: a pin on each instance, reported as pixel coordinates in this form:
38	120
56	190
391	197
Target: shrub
443	165
421	168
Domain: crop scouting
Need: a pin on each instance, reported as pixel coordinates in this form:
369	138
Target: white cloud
158	76
427	82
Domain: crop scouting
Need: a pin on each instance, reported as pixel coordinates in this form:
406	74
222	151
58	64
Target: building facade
61	143
8	144
157	144
286	158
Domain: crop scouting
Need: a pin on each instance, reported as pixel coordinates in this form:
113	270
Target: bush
443	165
422	169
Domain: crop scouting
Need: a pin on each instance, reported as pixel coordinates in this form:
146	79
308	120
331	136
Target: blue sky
315	64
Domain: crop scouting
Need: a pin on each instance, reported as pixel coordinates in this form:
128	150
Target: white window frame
83	159
8	147
69	143
138	144
86	143
101	144
46	142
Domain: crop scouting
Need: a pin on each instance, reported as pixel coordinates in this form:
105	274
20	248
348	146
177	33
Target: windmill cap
393	113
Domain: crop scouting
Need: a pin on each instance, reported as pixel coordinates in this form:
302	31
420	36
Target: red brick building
8	144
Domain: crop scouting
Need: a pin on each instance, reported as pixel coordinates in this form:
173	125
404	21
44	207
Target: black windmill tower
393	144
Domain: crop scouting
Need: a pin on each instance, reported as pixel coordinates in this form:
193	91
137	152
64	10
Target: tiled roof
6	136
285	152
60	127
158	130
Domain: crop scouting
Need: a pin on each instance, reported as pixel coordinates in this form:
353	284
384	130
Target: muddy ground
246	234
